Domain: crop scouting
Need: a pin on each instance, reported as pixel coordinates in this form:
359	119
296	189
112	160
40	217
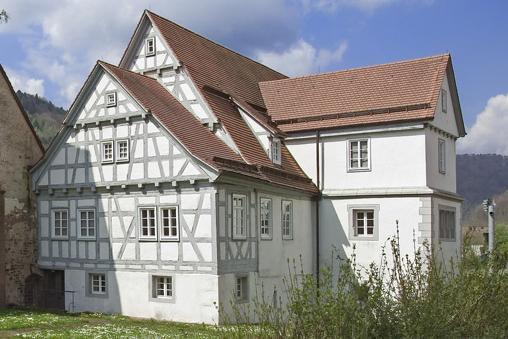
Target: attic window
111	99
444	100
150	46
275	151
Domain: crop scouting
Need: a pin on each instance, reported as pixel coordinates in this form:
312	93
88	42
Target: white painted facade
402	184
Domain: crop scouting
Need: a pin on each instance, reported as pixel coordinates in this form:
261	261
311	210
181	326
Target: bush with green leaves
403	297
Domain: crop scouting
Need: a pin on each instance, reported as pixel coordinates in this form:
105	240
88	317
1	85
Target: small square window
97	283
275	151
287	219
242	288
359	157
169	229
148	223
61	223
111	99
87	223
239	202
444	100
107	152
162	287
150	46
265	218
122	150
364	223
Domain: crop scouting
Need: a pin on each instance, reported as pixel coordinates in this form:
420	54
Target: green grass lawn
43	324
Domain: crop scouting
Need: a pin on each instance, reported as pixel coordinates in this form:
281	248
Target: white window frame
87	236
241	288
105	160
53	223
100	281
276	150
118	143
265	224
237	229
447	232
444	100
113	102
353	234
441	155
163	237
365	221
287	220
168	284
350	159
147	48
148	237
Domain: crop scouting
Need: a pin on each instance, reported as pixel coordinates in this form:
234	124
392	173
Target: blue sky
48	47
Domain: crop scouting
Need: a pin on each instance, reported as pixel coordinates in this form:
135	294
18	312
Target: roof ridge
437	56
215	43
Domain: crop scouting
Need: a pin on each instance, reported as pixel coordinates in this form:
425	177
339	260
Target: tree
4	17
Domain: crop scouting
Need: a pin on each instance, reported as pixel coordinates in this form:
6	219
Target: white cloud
302	58
63	39
488	132
25	84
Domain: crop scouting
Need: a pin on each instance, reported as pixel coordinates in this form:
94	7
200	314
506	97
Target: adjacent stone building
20	149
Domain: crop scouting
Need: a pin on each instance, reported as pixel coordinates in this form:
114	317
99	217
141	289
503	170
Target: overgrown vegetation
403	297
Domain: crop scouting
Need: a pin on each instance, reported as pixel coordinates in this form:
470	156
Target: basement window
111	99
242	288
162	287
122	150
97	283
150	46
107	152
169	223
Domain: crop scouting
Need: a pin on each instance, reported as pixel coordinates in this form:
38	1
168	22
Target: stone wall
19	150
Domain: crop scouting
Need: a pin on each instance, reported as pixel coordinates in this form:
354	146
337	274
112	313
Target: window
359	155
275	151
107	151
111	99
446	224
287	219
444	100
239	216
150	46
97	283
122	150
265	218
60	223
242	288
363	223
87	223
162	287
442	156
169	223
148	223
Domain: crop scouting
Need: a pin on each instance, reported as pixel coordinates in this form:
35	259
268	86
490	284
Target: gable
154	154
446	121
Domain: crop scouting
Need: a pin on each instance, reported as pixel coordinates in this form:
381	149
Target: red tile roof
200	141
394	92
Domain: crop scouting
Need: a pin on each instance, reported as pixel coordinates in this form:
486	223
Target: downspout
318	184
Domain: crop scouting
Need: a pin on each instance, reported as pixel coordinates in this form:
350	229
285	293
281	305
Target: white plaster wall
435	179
334	229
129	294
447	250
446	121
397	160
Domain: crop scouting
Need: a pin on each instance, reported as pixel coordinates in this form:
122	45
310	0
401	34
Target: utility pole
489	207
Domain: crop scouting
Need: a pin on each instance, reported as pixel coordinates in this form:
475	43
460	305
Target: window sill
108	162
170	240
86	238
122	160
354	170
60	238
266	238
148	239
167	300
356	238
236	238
